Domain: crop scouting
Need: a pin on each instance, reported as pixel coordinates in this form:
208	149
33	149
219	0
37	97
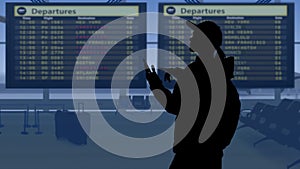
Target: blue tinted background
45	152
153	7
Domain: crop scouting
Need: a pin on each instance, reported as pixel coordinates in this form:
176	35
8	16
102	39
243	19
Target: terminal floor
46	152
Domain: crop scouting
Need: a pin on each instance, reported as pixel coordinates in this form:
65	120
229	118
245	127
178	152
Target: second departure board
44	41
259	37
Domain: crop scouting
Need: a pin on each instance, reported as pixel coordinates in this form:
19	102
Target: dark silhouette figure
189	153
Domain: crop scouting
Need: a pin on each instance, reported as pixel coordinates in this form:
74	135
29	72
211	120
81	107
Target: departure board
259	37
43	42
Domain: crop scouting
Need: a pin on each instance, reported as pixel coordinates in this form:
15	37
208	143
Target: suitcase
68	127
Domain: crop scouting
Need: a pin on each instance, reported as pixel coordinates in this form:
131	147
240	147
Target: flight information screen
259	37
43	42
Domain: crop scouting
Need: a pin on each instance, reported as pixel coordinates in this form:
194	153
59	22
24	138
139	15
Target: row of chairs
279	123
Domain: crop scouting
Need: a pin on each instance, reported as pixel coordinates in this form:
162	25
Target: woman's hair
212	31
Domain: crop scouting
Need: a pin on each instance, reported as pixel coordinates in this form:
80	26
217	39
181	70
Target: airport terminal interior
73	91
